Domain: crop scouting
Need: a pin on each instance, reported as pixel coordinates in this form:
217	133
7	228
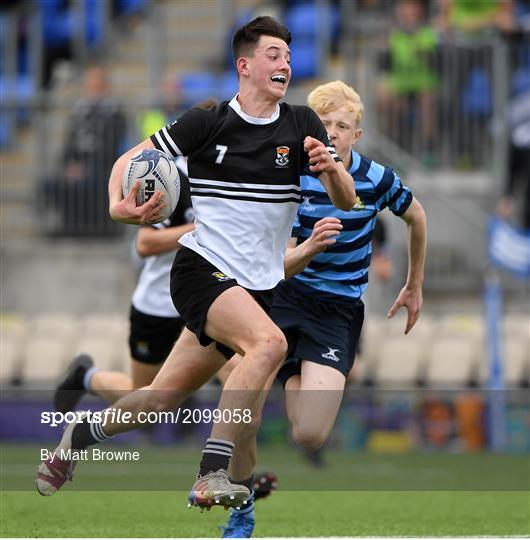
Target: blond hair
331	96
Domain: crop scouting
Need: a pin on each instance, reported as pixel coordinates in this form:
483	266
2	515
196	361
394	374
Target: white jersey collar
252	119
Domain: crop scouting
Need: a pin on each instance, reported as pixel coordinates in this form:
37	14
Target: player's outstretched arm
151	241
324	234
125	210
411	296
336	180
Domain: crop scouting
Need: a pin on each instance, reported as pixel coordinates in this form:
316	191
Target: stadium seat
128	7
469	326
371	340
102	350
228	85
44	359
452	363
308	19
517	324
123	357
102	325
305	59
198	86
423	330
13	326
515	361
55	325
400	363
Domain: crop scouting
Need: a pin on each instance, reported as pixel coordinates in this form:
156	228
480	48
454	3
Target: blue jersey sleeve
393	194
296	227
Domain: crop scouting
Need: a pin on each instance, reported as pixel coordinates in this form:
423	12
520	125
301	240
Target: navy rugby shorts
317	330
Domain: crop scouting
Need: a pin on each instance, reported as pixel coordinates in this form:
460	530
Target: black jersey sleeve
185	134
183	213
315	128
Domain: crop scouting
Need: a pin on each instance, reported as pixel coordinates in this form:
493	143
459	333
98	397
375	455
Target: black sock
248	483
216	455
247	507
86	434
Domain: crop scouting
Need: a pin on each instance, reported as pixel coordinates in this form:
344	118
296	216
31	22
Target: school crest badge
282	156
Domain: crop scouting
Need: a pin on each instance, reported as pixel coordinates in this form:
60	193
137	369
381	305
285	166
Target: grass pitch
91	512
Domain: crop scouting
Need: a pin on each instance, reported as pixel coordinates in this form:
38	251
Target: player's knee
160	401
273	349
307	438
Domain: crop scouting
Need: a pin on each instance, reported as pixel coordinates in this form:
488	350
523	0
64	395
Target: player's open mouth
280	79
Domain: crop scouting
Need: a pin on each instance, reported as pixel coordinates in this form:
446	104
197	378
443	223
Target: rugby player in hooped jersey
245	158
320	309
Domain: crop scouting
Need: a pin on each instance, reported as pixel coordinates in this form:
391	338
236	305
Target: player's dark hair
246	37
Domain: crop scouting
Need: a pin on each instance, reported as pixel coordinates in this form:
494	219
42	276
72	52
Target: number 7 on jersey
221	148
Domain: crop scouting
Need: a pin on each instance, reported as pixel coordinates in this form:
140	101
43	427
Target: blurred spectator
471	18
406	95
95	138
58	31
168	108
517	187
467	27
518	184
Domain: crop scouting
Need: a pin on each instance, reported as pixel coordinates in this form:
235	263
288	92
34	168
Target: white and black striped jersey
244	175
152	295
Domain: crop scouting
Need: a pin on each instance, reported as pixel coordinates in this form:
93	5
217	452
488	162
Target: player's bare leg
187	368
313	400
237	320
113	385
83	377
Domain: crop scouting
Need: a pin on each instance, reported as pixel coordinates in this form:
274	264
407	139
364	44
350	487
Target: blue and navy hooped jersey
343	268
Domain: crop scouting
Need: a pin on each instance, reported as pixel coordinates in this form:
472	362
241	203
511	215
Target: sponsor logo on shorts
142	349
219	276
306	204
331	355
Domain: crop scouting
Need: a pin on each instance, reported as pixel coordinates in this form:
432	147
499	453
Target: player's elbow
144	249
346	202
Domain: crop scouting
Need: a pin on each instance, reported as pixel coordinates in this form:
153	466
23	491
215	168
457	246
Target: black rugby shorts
151	338
195	284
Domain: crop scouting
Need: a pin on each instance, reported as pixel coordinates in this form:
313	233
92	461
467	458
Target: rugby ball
156	171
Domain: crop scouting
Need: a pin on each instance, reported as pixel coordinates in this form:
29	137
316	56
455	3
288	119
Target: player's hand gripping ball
156	171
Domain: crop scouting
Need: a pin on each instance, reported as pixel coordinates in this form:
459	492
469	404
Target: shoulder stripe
166	143
386	182
364	167
404	205
396	196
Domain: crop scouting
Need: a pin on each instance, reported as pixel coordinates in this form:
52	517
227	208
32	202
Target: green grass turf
397	495
163	514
